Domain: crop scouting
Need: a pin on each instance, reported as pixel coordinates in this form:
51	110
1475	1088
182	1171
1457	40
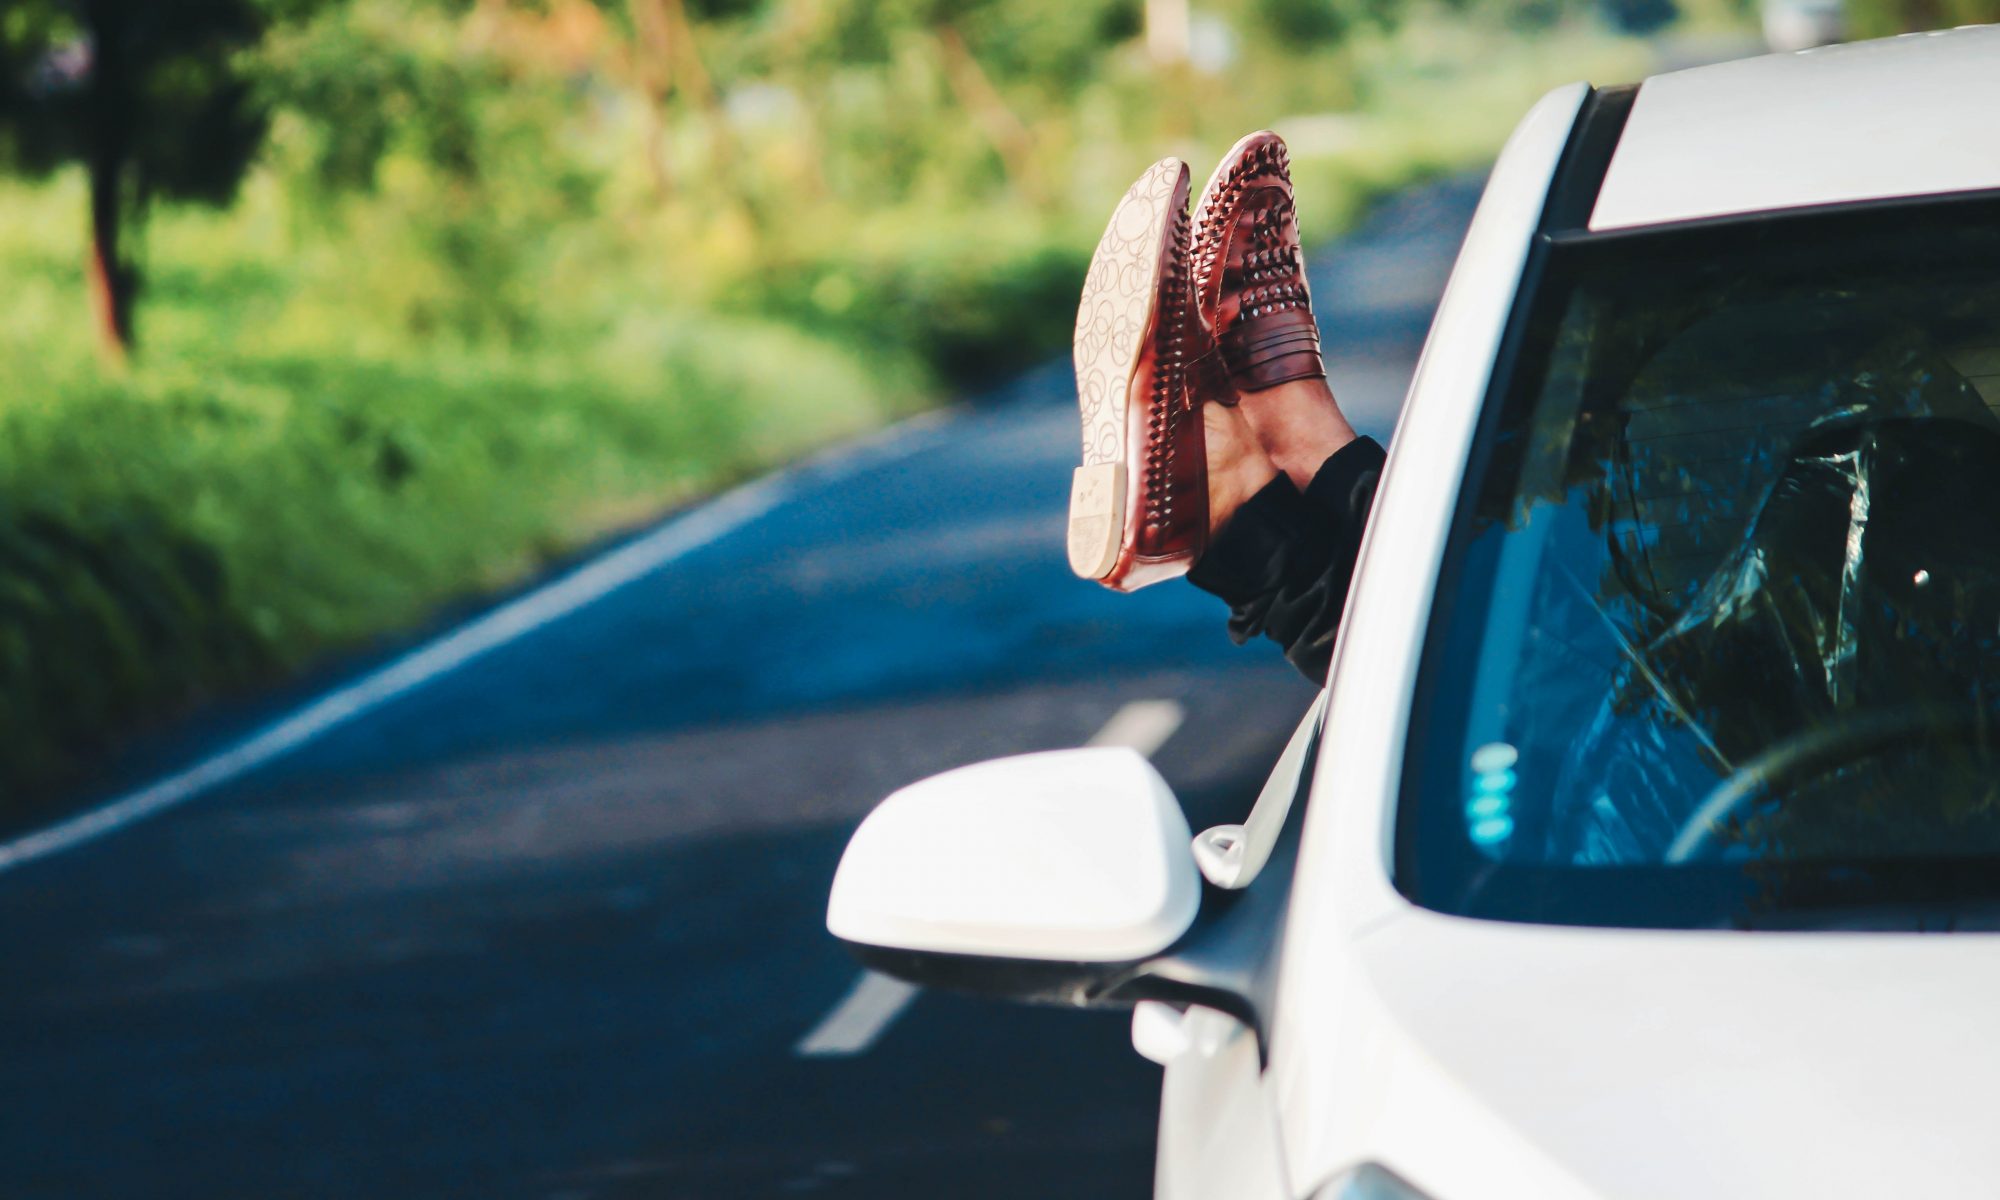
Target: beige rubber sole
1114	324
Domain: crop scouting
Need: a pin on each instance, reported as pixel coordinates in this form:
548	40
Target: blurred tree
1004	65
1312	22
368	81
1009	134
1054	46
668	62
653	49
451	126
147	96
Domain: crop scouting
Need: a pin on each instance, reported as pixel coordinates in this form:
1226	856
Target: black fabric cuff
1285	560
1345	484
1270	532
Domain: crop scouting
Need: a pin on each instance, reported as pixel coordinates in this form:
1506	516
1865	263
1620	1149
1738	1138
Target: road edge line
590	581
869	1008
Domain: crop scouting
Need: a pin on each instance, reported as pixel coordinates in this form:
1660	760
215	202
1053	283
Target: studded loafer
1249	272
1138	510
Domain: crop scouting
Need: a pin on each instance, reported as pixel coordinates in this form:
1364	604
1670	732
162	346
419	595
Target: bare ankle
1299	425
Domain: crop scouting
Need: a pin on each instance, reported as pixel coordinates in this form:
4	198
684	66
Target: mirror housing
1039	877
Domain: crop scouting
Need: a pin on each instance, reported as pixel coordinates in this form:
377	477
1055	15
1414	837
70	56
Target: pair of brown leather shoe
1174	317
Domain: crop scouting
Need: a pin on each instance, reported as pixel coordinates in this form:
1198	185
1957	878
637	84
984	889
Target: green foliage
1052	43
1306	22
149	81
1884	18
140	614
360	81
447	164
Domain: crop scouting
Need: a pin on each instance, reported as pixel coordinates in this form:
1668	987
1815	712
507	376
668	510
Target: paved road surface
548	924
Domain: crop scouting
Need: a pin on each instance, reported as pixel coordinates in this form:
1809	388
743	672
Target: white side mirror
1071	857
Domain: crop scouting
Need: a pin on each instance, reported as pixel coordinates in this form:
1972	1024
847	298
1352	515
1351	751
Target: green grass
274	480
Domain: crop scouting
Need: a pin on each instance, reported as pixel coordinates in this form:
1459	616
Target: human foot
1249	272
1238	468
1138	509
1298	425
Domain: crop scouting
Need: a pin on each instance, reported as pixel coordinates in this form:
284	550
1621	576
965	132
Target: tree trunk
111	108
693	80
112	279
1004	130
652	51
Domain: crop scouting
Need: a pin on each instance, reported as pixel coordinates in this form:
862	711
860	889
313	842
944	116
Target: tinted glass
1718	639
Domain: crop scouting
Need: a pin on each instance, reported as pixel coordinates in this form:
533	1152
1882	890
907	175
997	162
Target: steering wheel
1811	754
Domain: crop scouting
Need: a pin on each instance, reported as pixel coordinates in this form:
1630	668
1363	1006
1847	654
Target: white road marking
855	1023
592	581
875	1001
1144	725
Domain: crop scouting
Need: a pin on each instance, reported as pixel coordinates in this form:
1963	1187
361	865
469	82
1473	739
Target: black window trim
1579	175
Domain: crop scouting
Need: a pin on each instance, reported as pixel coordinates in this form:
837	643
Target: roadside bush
284	478
968	304
107	619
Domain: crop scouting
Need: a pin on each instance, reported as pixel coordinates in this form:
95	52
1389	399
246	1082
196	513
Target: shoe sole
1115	326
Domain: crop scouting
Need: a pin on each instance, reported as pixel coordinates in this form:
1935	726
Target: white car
1641	842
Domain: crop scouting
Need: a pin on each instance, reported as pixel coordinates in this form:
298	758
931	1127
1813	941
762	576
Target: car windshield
1717	641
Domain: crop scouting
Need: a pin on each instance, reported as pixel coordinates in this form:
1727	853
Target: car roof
1906	116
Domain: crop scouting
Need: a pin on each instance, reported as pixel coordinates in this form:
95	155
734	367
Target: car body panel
1344	884
1904	116
1218	1125
1661	1065
1389	1099
1215	1101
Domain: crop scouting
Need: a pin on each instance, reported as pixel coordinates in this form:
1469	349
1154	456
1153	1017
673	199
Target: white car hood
1684	1065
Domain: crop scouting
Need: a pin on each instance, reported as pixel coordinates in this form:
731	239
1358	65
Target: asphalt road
547	923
